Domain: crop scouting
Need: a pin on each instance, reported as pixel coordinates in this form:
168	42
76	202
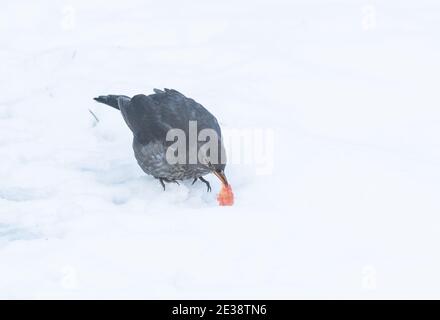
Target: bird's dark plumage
151	117
111	100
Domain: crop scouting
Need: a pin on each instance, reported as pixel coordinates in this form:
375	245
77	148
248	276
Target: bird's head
216	163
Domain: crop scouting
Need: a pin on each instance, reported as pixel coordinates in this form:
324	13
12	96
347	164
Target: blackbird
151	117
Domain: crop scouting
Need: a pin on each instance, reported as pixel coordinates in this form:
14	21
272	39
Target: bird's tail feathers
111	100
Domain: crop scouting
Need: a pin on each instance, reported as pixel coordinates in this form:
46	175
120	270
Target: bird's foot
208	185
163	180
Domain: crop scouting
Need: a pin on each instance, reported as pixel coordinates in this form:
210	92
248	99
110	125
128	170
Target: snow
347	205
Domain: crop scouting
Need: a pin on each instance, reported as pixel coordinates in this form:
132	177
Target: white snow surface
350	90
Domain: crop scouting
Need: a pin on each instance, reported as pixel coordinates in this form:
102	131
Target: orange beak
222	177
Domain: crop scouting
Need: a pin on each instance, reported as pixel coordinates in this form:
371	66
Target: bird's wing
178	110
142	116
151	117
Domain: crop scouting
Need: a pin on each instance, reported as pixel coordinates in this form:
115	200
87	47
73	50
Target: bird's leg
206	182
167	181
170	180
208	185
163	184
